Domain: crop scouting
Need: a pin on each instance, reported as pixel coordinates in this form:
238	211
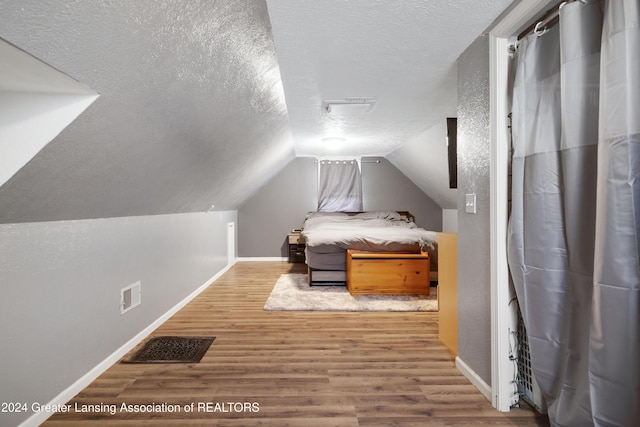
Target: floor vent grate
171	350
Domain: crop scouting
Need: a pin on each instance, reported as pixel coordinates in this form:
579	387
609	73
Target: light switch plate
470	203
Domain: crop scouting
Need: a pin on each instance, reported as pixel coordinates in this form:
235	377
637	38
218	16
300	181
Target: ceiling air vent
348	107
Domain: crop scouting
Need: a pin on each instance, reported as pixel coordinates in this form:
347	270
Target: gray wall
474	138
61	281
385	187
279	206
265	218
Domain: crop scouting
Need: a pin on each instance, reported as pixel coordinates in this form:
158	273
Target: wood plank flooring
311	369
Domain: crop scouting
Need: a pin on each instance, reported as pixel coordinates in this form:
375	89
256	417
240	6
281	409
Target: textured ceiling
402	53
201	102
428	167
191	110
36	103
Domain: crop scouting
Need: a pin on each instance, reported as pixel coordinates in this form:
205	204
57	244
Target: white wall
60	283
450	220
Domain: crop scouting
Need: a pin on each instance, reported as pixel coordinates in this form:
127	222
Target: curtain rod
548	19
361	161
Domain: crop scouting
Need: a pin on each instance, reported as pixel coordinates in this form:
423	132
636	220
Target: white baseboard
262	258
75	388
475	379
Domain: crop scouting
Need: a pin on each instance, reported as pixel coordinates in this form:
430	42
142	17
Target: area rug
171	350
292	292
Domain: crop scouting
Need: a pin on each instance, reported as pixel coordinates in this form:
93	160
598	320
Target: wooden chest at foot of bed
387	273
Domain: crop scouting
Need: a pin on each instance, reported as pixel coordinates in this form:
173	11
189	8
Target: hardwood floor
292	369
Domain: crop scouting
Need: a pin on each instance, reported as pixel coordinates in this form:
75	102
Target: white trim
262	258
66	395
231	243
475	379
502	370
518	17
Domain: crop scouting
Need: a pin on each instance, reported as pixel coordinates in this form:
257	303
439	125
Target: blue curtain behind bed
340	186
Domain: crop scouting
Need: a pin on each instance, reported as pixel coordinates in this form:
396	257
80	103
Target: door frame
503	367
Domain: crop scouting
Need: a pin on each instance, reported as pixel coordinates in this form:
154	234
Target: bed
328	236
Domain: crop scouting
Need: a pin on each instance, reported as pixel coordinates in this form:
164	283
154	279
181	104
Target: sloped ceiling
36	103
399	53
191	110
424	161
202	102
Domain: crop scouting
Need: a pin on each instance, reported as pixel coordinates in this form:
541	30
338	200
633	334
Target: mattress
328	235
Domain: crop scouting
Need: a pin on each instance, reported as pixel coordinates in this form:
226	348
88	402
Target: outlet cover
470	203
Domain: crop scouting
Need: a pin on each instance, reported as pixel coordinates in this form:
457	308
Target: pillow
321	214
390	215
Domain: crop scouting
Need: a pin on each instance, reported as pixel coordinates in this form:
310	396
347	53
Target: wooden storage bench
387	273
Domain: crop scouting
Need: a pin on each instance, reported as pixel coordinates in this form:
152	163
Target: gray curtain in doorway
575	224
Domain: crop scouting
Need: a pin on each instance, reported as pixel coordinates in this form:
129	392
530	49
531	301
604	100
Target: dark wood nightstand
296	247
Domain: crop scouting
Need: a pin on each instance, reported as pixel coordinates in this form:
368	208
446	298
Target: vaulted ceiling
202	102
396	59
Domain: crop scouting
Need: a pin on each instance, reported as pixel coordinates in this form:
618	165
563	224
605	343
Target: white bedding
331	233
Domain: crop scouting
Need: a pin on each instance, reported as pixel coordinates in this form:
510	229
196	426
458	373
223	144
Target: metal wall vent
130	297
